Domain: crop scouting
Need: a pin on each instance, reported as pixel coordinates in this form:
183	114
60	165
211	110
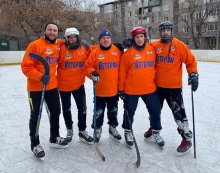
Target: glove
85	44
95	76
121	94
45	79
119	46
193	80
127	43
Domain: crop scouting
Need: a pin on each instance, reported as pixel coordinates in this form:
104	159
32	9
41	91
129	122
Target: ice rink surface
16	155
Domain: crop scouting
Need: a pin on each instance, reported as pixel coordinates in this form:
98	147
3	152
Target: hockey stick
94	134
138	162
47	72
194	136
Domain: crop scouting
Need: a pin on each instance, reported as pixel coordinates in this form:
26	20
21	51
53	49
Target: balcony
154	3
150	3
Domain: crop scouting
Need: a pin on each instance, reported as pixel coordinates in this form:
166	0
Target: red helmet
138	30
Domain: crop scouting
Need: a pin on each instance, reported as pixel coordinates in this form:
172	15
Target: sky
16	155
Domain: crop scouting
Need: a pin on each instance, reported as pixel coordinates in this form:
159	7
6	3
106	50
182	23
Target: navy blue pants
112	110
152	104
79	96
52	100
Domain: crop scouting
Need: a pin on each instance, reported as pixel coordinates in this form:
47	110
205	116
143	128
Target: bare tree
194	14
27	18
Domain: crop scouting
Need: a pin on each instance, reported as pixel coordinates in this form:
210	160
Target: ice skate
39	152
148	134
184	147
84	137
113	134
69	135
158	138
129	138
58	142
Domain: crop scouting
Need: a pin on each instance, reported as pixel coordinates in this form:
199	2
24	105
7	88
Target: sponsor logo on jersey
48	51
68	56
149	52
101	56
158	50
137	56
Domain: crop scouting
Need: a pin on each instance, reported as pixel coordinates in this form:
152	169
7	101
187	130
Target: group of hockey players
151	71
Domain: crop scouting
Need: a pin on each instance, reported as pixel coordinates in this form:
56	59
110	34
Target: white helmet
71	31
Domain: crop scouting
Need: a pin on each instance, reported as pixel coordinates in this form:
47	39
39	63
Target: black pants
112	110
79	96
174	99
53	102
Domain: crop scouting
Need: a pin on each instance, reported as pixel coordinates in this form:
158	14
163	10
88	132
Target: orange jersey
137	71
106	63
70	73
33	69
169	69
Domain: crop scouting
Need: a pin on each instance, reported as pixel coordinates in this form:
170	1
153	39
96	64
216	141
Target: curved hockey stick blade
43	61
137	163
94	132
98	151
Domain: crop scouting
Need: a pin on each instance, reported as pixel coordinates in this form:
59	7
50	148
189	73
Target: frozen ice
16	155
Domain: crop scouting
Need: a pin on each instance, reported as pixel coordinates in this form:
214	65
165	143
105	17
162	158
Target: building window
186	5
129	3
186	17
136	23
211	42
129	13
198	16
166	7
138	2
136	12
128	23
185	29
212	27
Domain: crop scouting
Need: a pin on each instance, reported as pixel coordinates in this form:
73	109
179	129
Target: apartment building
150	13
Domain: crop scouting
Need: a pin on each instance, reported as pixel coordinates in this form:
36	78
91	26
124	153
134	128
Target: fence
15	57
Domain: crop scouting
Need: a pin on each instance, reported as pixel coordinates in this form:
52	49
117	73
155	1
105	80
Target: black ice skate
84	137
69	135
184	147
113	134
39	152
58	142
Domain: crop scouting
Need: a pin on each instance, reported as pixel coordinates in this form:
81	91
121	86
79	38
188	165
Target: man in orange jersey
137	79
171	53
47	47
71	79
102	67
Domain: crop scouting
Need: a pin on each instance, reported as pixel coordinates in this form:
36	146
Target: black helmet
166	25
